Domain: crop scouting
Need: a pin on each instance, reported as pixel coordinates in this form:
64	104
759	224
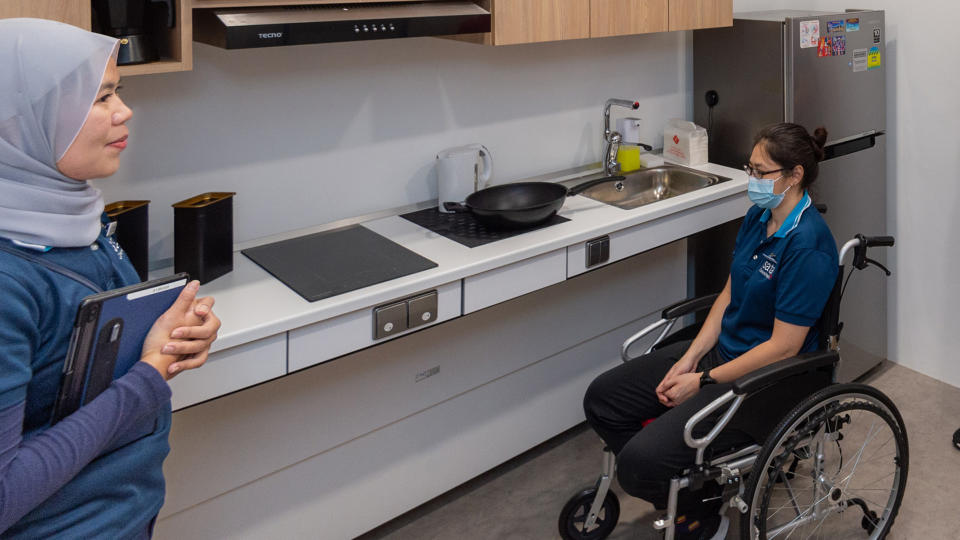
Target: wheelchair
834	466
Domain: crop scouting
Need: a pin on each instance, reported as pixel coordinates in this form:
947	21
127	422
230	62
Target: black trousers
621	399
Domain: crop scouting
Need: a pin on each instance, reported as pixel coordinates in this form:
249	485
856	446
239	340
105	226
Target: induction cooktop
465	229
329	263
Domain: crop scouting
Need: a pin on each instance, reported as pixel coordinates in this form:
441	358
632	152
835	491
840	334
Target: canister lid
204	199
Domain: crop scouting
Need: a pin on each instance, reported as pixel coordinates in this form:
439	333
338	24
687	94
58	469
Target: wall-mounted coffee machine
134	23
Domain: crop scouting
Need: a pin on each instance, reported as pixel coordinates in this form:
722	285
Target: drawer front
645	236
335	337
495	286
231	370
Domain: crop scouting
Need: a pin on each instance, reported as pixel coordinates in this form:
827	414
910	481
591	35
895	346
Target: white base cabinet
339	448
230	370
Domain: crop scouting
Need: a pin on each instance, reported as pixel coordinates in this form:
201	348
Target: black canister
203	236
132	232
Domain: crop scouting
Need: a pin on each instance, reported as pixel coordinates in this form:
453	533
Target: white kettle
462	171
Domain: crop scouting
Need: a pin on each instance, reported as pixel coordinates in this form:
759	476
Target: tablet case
108	337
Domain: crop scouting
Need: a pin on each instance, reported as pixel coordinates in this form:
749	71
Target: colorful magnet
873	58
859	60
809	34
824	46
835	26
853	25
839	47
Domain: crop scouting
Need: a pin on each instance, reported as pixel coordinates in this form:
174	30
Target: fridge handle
848	147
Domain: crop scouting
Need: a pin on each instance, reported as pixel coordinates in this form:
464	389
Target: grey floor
522	498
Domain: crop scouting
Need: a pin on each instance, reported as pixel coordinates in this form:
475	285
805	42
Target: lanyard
53	267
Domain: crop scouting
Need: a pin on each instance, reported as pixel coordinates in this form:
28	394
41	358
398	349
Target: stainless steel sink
648	185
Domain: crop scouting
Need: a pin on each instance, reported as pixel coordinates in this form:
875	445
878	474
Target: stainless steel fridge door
835	73
854	188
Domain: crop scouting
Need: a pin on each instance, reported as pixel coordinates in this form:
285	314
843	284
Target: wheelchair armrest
777	371
689	306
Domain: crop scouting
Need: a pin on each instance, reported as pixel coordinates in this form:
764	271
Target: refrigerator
814	69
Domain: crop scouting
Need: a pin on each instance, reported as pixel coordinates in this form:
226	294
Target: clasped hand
180	339
680	383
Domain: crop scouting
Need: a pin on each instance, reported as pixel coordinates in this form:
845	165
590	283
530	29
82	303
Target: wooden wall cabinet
533	21
693	14
177	51
625	17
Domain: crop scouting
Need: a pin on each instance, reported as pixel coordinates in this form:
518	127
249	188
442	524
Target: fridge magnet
853	25
835	26
839	47
859	60
876	35
873	58
824	47
809	34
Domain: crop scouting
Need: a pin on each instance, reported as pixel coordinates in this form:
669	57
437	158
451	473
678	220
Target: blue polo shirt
118	492
788	276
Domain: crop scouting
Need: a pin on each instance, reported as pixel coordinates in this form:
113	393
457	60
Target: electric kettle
461	171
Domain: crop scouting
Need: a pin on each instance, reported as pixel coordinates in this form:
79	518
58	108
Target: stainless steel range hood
246	28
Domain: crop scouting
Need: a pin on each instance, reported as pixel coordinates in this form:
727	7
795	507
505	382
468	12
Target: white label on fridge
809	33
859	60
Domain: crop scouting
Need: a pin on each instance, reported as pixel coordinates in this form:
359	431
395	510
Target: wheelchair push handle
876	241
859	245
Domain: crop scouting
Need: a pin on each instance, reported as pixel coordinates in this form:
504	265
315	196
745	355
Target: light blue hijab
50	75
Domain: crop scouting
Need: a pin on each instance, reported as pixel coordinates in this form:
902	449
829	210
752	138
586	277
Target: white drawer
230	370
353	331
501	284
645	236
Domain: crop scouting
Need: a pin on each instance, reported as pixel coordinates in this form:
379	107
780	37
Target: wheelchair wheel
573	517
835	467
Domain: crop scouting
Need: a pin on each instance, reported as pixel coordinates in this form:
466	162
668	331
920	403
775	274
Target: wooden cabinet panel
624	17
176	52
75	12
531	21
691	14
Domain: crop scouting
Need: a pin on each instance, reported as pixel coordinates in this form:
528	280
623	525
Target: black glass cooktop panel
463	228
329	263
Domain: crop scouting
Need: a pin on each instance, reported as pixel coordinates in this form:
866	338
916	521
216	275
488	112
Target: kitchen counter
279	309
525	328
269	330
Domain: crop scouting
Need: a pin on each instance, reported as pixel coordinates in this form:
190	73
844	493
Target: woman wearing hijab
96	473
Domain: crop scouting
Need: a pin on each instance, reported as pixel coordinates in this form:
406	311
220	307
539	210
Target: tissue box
685	142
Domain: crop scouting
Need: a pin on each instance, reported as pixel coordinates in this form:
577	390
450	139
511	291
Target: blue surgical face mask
760	191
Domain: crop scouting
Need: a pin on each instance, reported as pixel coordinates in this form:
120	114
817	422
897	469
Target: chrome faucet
612	139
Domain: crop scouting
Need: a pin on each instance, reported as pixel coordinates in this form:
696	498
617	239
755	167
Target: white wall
923	168
312	134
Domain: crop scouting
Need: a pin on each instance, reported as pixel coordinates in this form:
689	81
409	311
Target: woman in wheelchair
783	270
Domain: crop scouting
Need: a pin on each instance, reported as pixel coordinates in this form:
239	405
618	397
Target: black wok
522	204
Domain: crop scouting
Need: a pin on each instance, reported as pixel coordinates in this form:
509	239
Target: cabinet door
75	12
624	17
692	14
531	21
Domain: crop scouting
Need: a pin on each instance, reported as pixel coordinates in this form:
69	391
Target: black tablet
108	336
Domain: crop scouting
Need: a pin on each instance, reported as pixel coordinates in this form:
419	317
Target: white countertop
252	304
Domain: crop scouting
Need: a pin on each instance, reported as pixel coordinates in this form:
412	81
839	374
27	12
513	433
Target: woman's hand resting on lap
684	366
679	389
180	339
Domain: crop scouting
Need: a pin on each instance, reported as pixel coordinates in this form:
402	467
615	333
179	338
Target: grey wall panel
744	65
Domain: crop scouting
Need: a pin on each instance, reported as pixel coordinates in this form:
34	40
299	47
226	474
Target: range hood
244	28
